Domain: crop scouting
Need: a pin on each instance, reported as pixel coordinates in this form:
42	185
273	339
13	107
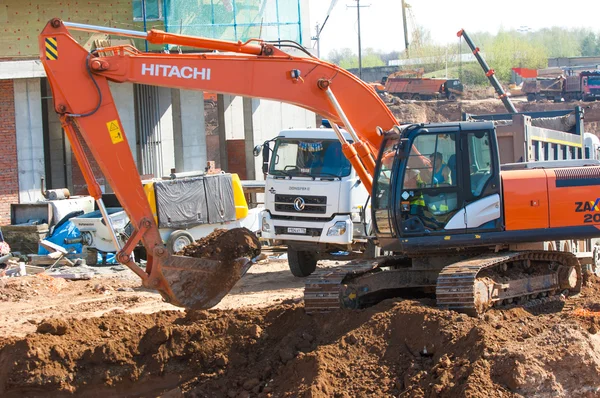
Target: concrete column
264	120
166	130
57	150
231	122
123	96
30	140
250	106
189	130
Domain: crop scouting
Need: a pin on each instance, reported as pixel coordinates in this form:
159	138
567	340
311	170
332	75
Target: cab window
429	188
432	162
480	161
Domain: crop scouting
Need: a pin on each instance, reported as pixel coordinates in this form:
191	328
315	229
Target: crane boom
489	73
82	98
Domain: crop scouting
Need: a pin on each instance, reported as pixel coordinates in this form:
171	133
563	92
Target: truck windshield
312	158
593	81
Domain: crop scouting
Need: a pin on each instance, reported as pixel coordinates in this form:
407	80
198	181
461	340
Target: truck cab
591	146
314	201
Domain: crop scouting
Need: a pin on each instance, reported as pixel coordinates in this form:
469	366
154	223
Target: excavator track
322	288
462	288
470	286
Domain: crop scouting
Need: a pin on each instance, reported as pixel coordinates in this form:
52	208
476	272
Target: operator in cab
441	171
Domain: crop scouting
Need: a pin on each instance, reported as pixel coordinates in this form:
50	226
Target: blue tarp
67	230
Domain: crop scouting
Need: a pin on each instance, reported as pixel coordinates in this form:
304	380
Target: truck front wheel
302	263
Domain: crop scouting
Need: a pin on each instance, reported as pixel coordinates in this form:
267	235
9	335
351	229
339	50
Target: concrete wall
254	121
375	74
123	96
30	138
189	130
573	61
166	130
22	22
263	120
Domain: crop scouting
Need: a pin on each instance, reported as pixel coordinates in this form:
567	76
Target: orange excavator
457	223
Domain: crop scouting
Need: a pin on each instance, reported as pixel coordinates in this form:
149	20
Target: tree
510	50
589	45
348	60
336	56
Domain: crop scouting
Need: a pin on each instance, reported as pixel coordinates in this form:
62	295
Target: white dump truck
314	202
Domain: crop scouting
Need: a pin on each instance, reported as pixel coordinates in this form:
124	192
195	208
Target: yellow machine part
149	191
241	206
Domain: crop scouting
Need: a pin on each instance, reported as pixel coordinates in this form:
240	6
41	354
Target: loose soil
224	245
397	348
444	111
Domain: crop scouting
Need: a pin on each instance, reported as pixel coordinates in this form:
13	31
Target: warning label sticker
114	130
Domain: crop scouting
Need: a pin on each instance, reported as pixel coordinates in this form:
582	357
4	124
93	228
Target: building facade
166	128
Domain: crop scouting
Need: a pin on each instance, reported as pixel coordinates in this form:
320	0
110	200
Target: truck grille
302	218
309	231
301	204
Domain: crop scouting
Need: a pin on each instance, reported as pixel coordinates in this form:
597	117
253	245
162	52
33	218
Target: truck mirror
265	155
256	151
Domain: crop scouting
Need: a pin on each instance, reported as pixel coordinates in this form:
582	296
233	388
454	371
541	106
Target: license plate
296	230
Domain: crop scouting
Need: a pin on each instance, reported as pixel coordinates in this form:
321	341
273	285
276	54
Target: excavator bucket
202	281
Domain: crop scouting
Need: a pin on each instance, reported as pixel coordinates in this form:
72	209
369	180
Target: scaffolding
234	19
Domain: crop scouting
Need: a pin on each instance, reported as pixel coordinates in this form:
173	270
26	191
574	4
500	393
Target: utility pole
405	28
317	39
358	6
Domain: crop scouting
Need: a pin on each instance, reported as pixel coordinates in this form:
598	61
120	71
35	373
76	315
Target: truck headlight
266	227
339	228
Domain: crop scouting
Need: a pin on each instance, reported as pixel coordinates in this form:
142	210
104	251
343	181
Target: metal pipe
339	133
488	72
109	223
341	114
103	29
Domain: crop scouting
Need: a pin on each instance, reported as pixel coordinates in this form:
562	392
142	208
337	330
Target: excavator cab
437	181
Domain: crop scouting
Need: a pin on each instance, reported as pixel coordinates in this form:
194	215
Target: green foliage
590	45
509	50
503	51
558	42
472	74
348	60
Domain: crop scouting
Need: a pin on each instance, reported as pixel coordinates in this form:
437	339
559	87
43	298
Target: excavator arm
82	98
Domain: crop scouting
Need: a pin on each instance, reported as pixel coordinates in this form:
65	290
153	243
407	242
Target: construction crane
469	230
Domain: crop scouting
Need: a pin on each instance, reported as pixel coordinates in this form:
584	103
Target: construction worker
441	172
418	175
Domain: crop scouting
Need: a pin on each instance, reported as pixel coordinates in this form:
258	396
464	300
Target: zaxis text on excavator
464	227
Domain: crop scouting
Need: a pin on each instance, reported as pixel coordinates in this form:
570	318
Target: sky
381	22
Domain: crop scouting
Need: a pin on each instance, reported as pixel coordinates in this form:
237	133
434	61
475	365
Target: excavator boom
82	98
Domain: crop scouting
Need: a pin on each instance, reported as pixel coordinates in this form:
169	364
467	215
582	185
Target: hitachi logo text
185	72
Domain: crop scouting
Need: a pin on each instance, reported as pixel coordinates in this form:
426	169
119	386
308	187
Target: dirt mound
405	348
444	111
224	245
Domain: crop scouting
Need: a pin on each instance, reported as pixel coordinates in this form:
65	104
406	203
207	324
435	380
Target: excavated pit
399	347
